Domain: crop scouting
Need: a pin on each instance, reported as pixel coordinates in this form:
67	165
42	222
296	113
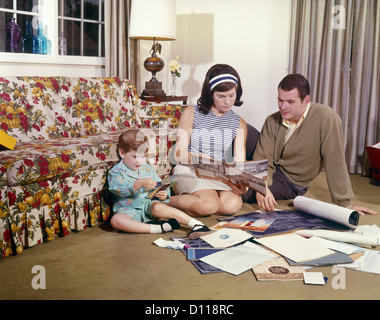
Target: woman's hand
239	188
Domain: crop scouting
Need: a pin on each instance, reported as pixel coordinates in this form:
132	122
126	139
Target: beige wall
250	35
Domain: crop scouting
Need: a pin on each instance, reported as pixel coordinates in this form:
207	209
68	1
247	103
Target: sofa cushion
42	160
60	158
35	108
99	105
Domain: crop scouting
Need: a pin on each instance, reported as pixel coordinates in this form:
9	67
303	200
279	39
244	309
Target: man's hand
267	202
362	210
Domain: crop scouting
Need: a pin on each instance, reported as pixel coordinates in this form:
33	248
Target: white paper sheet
313	278
372	262
367	230
169	244
295	247
239	259
226	237
369	262
344	216
337	246
348	237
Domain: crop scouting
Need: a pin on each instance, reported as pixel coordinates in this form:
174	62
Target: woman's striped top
213	135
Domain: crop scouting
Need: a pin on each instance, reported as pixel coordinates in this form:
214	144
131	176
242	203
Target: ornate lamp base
153	89
154	64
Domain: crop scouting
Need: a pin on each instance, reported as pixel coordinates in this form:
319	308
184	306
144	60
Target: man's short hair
298	81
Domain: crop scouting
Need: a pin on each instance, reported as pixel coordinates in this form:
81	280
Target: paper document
313	278
337	246
238	259
347	217
295	247
366	230
349	237
248	221
277	269
369	262
250	173
372	262
226	237
169	244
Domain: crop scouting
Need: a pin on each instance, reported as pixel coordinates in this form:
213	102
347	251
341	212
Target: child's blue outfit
134	203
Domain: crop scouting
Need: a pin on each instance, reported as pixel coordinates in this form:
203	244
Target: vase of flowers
174	68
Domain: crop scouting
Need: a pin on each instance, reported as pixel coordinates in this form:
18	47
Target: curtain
364	108
121	53
335	44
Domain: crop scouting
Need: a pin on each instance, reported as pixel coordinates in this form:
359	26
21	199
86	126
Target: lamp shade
153	19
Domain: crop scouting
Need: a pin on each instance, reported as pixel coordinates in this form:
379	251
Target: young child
131	180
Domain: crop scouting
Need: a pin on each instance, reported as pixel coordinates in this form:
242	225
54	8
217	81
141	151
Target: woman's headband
222	78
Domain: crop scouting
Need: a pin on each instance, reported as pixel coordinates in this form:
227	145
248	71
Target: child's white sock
155	228
195	223
164	226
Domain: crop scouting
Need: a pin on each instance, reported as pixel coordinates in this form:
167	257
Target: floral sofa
67	130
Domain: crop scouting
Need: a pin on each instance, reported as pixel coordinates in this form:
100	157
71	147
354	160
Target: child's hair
132	139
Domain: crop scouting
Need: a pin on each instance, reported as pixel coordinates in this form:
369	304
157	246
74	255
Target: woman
211	129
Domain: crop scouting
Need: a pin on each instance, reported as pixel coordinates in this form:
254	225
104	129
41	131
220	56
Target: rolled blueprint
347	217
348	237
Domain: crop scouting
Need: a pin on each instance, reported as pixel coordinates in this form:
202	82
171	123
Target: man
299	141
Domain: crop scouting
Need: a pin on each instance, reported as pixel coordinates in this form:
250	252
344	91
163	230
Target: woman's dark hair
205	102
298	81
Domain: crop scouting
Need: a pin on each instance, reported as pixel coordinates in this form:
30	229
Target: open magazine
249	173
161	186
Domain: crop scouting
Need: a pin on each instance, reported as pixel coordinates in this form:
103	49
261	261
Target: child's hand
146	183
162	195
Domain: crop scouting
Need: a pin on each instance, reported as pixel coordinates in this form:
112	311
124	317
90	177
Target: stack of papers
295	247
368	262
239	259
235	249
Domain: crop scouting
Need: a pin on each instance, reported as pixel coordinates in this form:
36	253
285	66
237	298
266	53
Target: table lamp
153	20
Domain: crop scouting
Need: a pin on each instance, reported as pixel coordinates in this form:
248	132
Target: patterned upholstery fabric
67	131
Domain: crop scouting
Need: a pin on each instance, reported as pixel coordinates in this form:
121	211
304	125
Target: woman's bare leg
229	203
198	204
